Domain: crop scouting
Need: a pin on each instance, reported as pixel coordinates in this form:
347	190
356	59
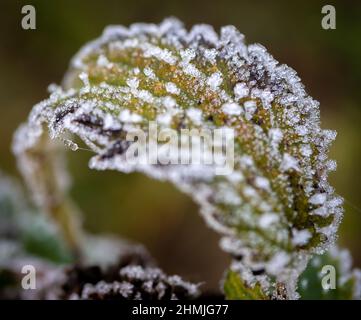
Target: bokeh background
154	213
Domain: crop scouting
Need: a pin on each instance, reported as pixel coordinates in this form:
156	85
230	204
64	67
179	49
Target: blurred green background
154	213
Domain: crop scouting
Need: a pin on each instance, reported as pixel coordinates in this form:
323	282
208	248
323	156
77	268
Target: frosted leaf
135	282
125	280
131	275
184	79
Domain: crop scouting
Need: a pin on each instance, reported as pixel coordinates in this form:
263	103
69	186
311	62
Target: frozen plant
109	268
273	212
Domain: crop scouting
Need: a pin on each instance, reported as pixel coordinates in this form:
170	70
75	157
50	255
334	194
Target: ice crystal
275	209
138	283
133	277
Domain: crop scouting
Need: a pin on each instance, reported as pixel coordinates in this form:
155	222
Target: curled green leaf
235	288
273	210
